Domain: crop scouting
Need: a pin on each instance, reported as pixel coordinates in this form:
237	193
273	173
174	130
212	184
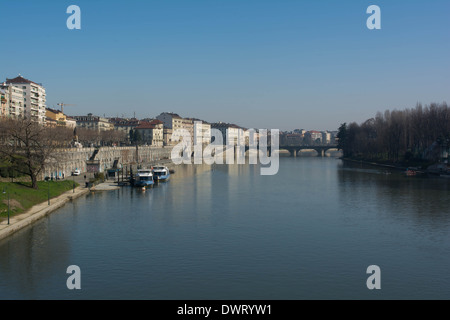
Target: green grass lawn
22	197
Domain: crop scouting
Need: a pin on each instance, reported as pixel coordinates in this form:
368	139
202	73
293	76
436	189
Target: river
226	232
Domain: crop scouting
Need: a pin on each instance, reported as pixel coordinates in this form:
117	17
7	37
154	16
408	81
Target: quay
38	212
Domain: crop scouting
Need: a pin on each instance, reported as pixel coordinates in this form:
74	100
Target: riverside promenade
38	211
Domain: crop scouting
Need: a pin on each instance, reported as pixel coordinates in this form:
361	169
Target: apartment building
12	104
33	97
151	132
93	122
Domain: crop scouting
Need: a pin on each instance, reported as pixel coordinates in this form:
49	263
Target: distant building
34	98
230	132
202	131
326	137
293	139
125	125
167	137
4	103
93	122
316	136
12	104
60	118
71	122
334	139
151	132
300	131
171	120
52	123
174	122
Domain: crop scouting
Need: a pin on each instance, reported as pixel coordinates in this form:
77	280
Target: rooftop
19	79
54	110
145	125
174	115
226	125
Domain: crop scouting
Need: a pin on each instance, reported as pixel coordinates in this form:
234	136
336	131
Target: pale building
151	132
12	101
316	136
71	122
167	137
230	132
93	122
174	122
202	131
4	103
34	98
171	120
326	137
188	124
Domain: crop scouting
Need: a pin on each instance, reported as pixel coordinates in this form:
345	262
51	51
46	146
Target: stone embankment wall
71	159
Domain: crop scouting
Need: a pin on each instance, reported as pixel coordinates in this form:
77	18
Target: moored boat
144	178
161	173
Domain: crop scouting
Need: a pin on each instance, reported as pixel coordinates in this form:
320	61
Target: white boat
161	173
144	178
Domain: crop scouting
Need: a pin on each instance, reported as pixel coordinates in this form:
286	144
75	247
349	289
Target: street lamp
6	190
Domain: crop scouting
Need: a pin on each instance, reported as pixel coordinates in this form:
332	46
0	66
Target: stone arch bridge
294	150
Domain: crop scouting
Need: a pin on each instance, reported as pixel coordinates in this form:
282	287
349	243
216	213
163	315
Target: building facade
4	103
12	101
174	122
151	133
125	125
326	137
202	131
231	133
58	118
93	122
34	98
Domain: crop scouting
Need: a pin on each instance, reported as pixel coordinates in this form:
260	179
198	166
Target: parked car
76	172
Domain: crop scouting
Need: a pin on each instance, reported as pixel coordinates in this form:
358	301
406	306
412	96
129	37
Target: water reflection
226	232
420	200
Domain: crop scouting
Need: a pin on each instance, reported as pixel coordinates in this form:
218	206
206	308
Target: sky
277	64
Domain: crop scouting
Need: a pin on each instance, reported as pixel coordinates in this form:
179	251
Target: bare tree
27	146
399	135
88	137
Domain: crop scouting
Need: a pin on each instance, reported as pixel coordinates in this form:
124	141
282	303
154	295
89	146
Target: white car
76	172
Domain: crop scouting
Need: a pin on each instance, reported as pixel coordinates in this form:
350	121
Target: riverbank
38	211
436	169
377	164
18	196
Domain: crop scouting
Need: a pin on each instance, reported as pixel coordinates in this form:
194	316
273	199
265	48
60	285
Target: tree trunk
34	181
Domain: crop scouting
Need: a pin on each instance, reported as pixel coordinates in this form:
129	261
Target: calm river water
226	232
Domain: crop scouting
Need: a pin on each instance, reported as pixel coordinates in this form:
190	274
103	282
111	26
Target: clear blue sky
258	63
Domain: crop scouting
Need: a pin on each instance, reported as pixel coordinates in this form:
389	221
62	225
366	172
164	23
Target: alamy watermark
74	280
374	280
74	20
374	21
